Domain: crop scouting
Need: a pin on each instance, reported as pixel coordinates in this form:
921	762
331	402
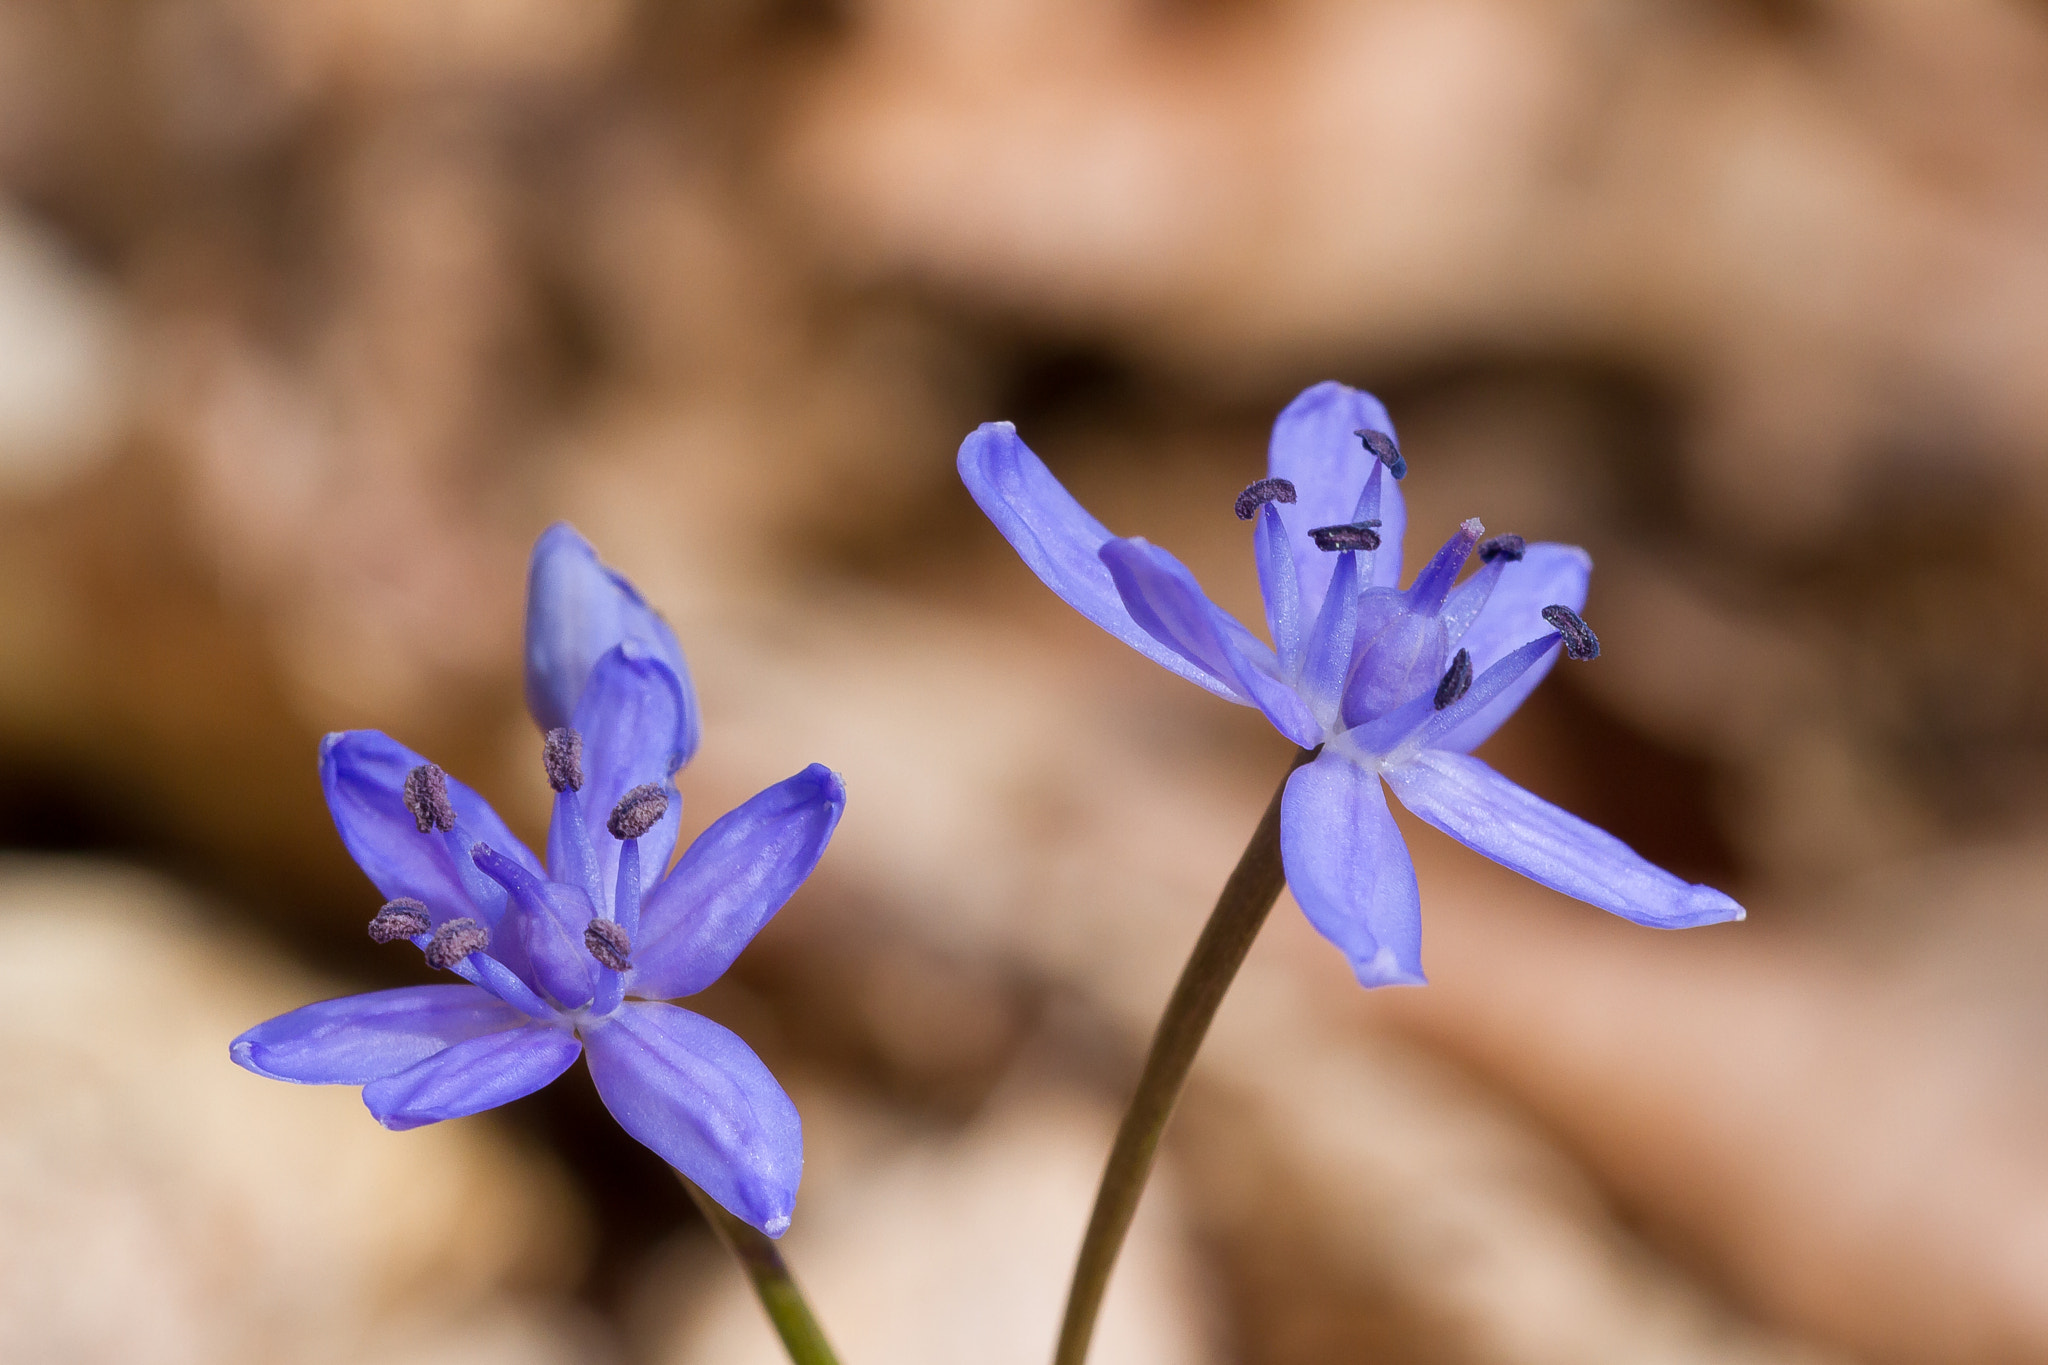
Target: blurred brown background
312	314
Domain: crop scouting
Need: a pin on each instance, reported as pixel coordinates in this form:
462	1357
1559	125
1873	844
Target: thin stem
1240	911
782	1300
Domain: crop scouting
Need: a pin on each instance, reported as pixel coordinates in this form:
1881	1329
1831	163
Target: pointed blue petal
1163	598
1314	449
626	717
1058	539
472	1076
703	1101
362	1038
577	610
363	773
1548	574
1487	813
1349	869
730	881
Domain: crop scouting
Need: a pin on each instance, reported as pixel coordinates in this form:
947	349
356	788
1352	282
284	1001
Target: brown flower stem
1240	911
780	1298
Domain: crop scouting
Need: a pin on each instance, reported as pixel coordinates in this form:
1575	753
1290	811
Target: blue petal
472	1076
1163	598
703	1101
1349	869
362	1038
730	881
626	717
1313	448
1484	811
1548	574
363	773
1058	540
577	610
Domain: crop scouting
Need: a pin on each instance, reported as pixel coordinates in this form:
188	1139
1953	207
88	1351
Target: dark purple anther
1384	450
1510	548
1357	535
454	941
1457	680
401	918
1580	642
1257	495
608	943
561	753
637	811
426	796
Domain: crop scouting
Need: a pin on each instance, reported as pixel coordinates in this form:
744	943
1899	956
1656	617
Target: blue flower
1395	686
578	955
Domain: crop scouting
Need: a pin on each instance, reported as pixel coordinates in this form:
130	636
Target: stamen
1580	643
1384	450
1257	495
1510	548
426	796
637	811
1356	535
608	944
454	941
1457	680
561	753
401	918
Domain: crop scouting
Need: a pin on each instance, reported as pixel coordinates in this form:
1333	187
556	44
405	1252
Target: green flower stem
1240	911
782	1300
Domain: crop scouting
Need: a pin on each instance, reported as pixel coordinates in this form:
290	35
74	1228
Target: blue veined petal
1314	449
1164	599
362	1038
470	1077
625	718
1484	811
730	881
1059	540
577	610
1548	574
363	773
703	1101
1349	869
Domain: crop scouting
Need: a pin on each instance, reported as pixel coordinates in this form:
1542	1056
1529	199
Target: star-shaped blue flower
578	955
1395	686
